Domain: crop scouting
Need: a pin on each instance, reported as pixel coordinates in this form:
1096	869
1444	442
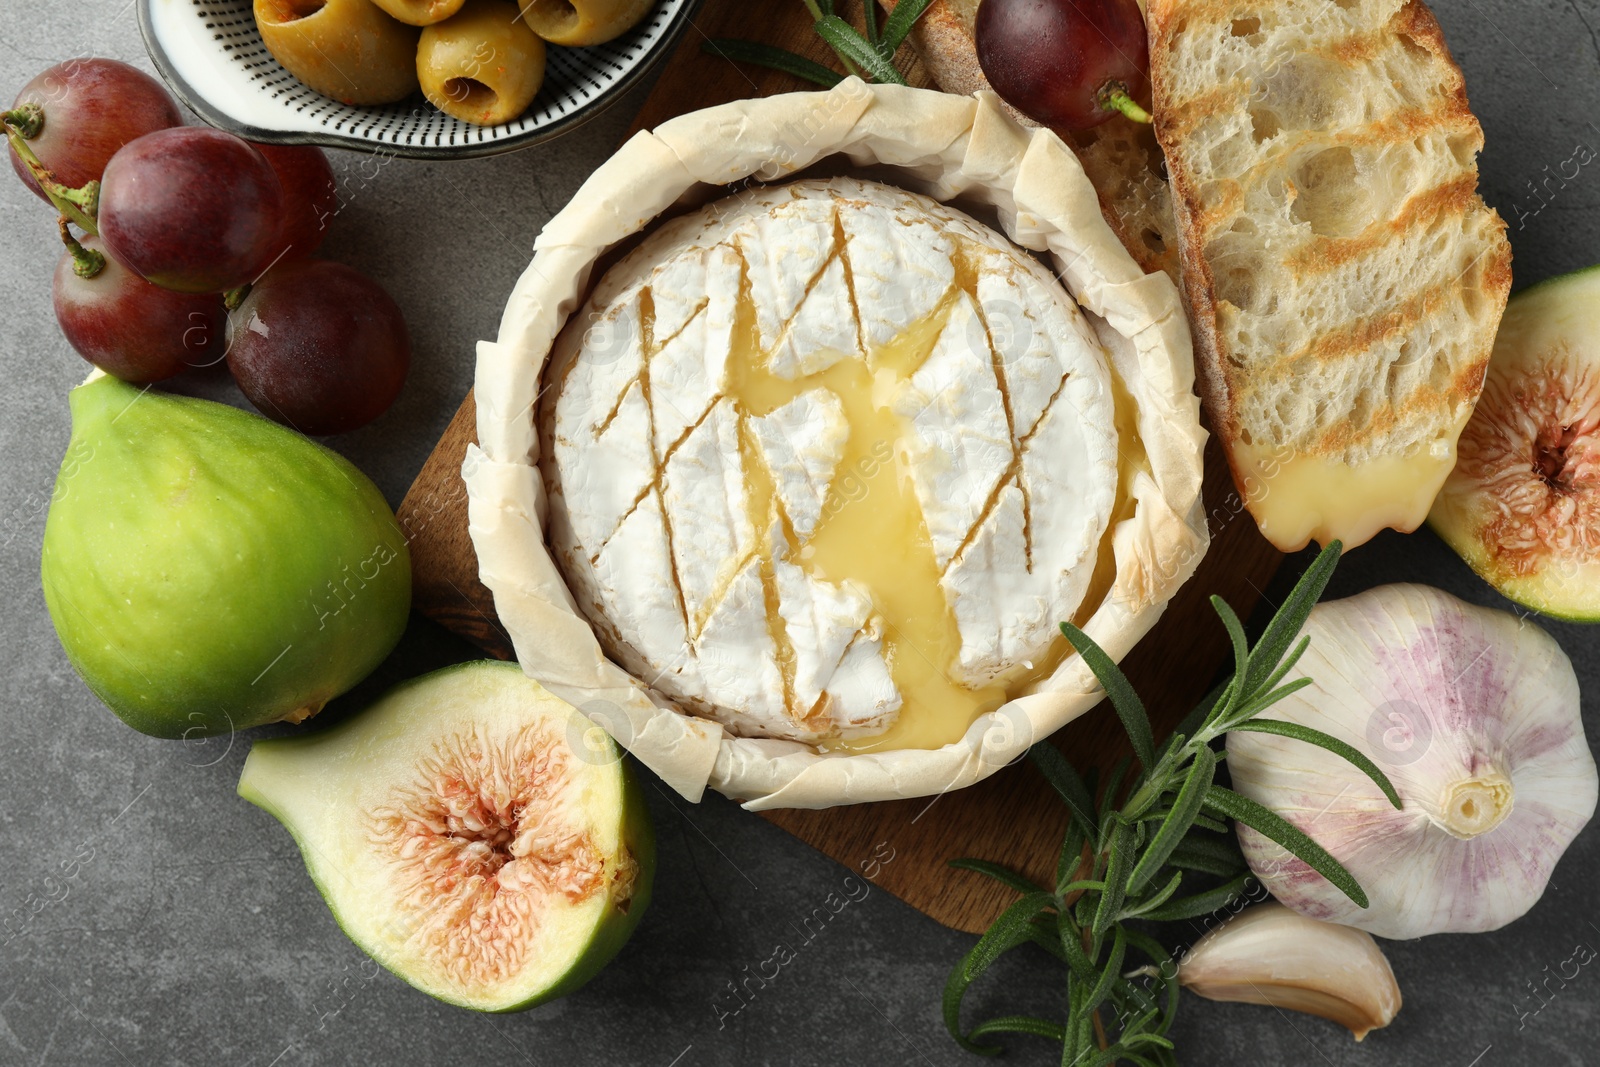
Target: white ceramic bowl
211	56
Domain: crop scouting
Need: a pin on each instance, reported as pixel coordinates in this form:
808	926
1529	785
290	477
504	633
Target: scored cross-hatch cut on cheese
829	462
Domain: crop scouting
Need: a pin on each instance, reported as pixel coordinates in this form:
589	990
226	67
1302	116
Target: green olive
347	49
420	12
482	65
578	23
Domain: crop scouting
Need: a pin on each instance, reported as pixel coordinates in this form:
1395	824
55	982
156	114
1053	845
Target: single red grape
92	107
319	346
134	330
1053	60
192	209
310	196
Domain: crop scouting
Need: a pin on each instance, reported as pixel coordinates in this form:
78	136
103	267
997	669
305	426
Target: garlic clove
1270	955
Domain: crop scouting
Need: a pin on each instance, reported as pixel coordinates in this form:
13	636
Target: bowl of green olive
427	79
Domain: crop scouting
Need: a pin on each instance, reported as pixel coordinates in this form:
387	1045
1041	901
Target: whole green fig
209	570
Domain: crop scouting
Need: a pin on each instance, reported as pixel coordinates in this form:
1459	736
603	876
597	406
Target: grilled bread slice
1121	158
1344	278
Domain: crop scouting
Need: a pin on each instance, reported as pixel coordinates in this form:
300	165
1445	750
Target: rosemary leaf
1108	799
1019	1024
1262	703
1235	628
1110	972
1111	1055
899	23
1285	625
1316	737
1070	936
1133	1011
1158	956
853	48
1133	1029
1287	665
1149	1010
1278	829
1119	861
1202	821
1176	826
869	16
1071	858
1130	709
1008	931
1083	910
1047	939
1160	897
1208	855
765	55
961	976
1067	783
1192	907
1004	875
1078	1037
1166	971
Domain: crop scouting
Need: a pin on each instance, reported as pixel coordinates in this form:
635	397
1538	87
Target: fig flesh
472	833
1522	506
209	570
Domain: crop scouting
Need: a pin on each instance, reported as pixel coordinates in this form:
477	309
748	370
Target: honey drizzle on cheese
872	535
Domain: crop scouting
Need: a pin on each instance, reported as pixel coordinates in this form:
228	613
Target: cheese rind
960	446
821	621
902	267
802	443
879	448
703	491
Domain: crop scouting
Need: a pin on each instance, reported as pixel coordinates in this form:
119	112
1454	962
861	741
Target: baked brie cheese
789	493
829	462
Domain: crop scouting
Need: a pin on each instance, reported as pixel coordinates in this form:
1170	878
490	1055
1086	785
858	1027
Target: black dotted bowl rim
610	94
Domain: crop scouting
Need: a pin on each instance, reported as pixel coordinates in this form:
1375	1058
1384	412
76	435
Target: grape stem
78	206
1113	96
28	119
86	262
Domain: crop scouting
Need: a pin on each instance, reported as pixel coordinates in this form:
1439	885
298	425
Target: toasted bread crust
1237	381
943	41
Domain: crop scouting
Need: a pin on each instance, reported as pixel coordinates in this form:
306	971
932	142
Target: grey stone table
149	916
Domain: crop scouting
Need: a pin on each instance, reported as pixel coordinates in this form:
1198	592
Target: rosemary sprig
1120	864
869	55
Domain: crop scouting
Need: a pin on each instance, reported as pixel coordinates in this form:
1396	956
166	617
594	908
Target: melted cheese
882	456
872	536
1304	498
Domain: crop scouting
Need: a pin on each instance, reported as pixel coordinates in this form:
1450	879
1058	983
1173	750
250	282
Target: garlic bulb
1268	954
1473	714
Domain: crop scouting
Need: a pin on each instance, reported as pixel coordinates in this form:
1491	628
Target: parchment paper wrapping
948	147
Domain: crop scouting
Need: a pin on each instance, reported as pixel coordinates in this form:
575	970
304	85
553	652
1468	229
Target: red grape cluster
180	223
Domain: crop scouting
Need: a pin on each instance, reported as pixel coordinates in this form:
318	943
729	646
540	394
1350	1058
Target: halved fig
471	832
1522	506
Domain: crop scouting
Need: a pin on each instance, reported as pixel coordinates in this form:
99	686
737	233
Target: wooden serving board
1012	817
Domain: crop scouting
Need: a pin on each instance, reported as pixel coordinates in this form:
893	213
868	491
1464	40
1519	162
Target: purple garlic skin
1474	716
